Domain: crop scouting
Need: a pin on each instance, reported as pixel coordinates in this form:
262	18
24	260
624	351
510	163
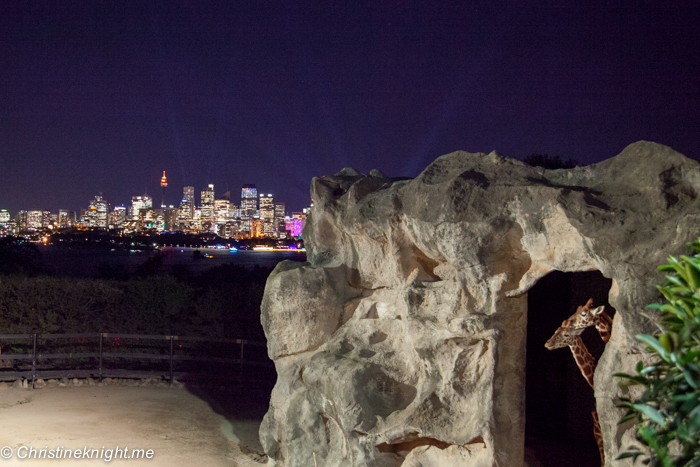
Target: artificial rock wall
402	341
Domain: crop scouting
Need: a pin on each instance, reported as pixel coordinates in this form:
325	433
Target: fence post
171	360
34	362
100	369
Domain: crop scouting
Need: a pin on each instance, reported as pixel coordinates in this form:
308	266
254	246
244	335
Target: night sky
103	96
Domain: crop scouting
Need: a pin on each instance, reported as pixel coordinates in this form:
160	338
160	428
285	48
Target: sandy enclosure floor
183	429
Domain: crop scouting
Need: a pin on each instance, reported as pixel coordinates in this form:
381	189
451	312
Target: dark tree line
549	162
223	301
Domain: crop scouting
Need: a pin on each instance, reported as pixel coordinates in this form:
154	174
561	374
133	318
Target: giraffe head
561	338
585	317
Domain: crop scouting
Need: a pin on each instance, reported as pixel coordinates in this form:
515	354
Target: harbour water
85	263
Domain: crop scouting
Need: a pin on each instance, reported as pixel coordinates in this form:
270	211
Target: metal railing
100	371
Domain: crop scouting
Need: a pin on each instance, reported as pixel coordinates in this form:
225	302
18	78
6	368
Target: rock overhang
439	266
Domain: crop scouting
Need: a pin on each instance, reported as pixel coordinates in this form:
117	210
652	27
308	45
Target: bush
549	162
222	302
668	411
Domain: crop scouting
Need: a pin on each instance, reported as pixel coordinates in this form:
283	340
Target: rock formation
402	340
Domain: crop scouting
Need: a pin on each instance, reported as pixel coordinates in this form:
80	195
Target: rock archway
402	340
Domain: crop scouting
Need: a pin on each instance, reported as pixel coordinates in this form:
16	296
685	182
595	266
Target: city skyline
153	195
256	216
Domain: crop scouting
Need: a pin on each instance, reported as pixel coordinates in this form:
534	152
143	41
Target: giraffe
585	361
585	317
568	334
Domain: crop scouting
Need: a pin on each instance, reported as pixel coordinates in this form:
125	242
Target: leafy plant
668	411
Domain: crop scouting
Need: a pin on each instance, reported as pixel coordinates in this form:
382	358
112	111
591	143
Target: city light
257	216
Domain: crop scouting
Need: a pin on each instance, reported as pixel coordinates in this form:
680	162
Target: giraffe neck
598	437
604	326
585	361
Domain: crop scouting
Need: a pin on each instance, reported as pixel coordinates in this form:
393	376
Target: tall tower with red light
163	184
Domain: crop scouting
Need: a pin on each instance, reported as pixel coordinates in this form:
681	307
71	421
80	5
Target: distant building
196	226
295	223
280	212
163	185
4	218
267	214
295	226
66	219
118	218
46	219
139	203
84	219
148	219
222	217
97	213
6	224
184	215
22	220
256	228
249	205
207	204
170	217
8	228
34	220
159	220
188	195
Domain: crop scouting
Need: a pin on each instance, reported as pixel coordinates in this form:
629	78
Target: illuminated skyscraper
148	219
84	219
138	203
6	227
159	223
222	216
45	219
294	225
66	218
97	214
34	220
118	218
207	205
22	220
256	228
249	204
184	215
4	218
278	223
170	218
188	195
267	214
196	226
163	184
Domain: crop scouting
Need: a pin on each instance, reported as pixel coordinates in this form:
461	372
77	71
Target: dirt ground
183	427
196	426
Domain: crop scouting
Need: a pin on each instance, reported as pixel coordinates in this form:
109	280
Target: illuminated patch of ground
181	428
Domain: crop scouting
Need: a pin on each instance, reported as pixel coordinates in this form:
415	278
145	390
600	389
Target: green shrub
222	302
668	411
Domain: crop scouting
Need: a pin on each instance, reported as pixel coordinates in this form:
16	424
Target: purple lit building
294	225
